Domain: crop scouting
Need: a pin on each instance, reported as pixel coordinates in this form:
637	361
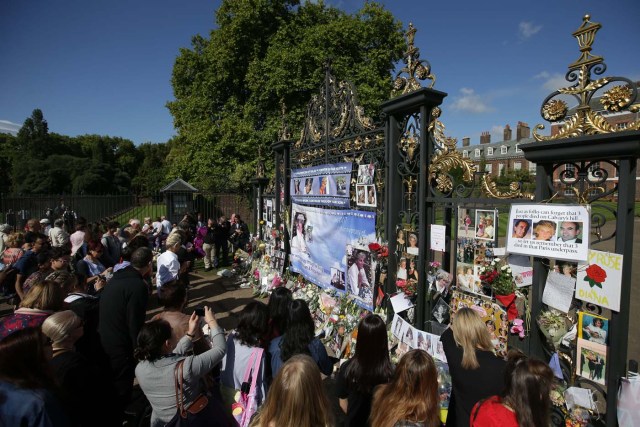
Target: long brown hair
527	386
296	397
470	332
412	394
371	365
23	361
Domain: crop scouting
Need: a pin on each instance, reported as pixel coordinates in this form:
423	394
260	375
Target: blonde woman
544	230
85	388
411	398
476	372
296	397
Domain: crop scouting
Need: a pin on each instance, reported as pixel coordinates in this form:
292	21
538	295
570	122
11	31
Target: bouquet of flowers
498	275
409	286
434	266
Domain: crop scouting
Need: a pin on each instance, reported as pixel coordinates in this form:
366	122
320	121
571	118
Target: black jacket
470	385
123	306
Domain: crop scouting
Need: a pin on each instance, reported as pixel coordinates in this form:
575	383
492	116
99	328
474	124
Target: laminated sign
550	231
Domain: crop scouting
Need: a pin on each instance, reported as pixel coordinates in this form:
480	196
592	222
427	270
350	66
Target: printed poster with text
599	280
550	231
325	245
326	185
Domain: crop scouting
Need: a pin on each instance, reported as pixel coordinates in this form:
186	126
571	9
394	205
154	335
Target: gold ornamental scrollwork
446	157
490	189
415	68
584	121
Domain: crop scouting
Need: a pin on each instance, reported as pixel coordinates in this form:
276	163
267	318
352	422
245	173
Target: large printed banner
551	231
326	185
330	249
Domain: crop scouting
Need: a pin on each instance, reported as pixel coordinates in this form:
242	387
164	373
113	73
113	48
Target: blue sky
104	67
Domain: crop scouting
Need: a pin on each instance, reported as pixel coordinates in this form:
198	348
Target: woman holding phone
157	361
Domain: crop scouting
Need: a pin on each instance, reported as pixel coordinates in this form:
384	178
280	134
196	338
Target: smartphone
200	312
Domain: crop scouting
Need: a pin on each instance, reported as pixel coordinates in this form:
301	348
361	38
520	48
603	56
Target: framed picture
337	279
593	328
360	275
441	311
466	223
485	224
412	243
592	361
401	240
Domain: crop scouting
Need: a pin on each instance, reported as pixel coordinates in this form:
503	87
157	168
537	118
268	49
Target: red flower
375	247
595	272
595	275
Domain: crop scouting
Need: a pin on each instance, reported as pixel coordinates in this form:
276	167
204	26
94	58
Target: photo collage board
272	237
405	337
476	240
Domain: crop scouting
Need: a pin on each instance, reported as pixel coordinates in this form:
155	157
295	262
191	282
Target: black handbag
204	411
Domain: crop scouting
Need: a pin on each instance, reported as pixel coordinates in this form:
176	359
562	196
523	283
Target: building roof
179	185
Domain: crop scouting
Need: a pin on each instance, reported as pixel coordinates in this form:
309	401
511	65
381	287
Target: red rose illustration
595	275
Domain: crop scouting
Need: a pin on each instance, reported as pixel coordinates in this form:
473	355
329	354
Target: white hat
44	221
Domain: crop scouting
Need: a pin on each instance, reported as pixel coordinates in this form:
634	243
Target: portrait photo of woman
412	247
544	230
400	241
298	241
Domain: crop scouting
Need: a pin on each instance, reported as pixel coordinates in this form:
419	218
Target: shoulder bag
202	412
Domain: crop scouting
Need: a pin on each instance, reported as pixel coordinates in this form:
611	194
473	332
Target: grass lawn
141	212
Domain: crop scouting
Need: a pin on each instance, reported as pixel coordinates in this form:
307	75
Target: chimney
485	137
523	131
466	141
507	133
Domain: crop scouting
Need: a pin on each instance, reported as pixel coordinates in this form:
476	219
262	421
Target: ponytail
151	339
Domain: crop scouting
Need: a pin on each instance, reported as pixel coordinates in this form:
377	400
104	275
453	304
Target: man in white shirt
57	235
166	225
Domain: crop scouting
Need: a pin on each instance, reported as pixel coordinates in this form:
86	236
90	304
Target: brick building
500	157
504	156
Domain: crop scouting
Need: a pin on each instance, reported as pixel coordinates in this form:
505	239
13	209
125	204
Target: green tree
7	144
33	136
151	176
229	88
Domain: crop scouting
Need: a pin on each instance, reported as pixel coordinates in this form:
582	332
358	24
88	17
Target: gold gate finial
622	94
416	68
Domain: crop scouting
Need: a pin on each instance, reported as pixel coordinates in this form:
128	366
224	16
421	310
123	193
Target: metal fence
16	210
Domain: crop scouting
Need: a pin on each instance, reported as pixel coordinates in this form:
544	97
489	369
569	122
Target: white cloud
470	102
9	127
542	75
552	82
528	29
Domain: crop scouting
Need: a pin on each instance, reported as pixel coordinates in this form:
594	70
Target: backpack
246	402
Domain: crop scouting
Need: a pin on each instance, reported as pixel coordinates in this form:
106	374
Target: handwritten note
558	291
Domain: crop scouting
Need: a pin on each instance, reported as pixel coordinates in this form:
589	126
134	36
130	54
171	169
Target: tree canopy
265	54
38	162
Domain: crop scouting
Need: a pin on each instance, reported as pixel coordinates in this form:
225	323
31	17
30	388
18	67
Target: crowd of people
78	340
